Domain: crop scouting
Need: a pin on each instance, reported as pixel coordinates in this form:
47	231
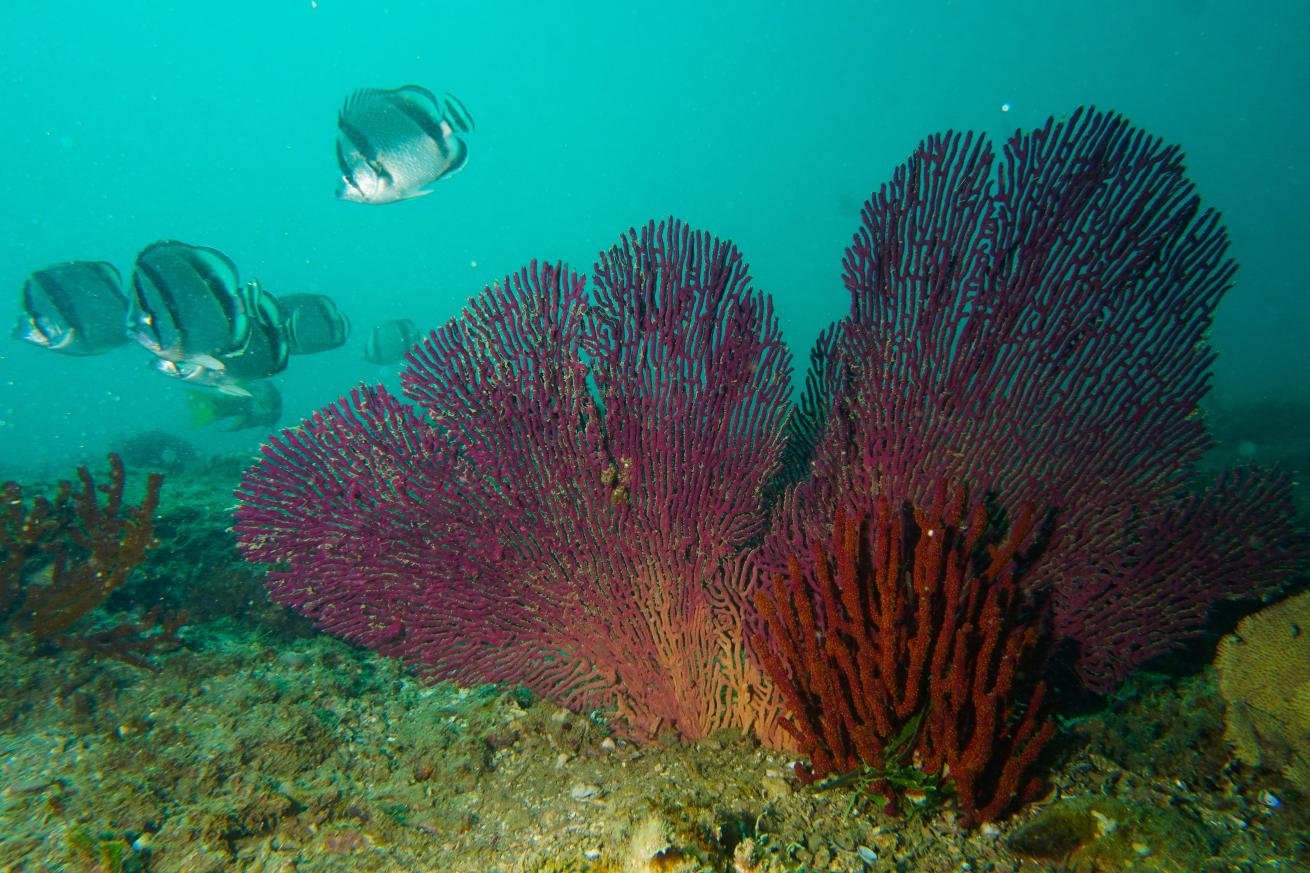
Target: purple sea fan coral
1038	330
573	513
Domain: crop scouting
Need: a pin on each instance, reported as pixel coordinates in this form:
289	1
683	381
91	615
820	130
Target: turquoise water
768	124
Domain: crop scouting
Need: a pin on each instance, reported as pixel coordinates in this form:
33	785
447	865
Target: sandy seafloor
264	745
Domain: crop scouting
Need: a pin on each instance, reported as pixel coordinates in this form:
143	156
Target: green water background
767	123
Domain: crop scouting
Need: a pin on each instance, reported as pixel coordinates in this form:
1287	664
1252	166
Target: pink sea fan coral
571	515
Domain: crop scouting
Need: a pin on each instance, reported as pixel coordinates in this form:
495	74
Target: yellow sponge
1264	676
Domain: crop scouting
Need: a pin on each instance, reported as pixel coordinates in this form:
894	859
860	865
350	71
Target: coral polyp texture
1035	326
572	511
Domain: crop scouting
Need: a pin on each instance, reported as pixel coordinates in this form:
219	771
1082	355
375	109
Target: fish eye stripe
34	316
357	139
144	304
57	295
347	172
380	171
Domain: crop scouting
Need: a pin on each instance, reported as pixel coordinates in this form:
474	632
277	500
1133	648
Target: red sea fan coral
911	638
572	514
61	558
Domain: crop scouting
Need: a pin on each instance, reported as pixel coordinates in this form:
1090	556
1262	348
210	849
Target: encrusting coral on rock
1264	677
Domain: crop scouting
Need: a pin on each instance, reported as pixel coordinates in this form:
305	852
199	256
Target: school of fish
223	338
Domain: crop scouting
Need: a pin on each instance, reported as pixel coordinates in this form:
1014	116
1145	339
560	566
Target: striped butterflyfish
187	304
75	308
392	143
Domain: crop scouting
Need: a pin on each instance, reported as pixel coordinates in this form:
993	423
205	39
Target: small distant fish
393	143
77	308
313	323
187	304
266	351
390	340
260	407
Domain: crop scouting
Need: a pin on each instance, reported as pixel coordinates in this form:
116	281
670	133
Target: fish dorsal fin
355	102
109	271
217	269
420	93
457	115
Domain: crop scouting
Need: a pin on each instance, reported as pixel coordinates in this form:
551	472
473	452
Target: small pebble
25	789
583	791
1104	824
294	660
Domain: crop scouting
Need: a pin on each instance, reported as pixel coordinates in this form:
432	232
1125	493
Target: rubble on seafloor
265	746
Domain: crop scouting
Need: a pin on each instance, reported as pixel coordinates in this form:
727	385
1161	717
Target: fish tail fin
454	113
459	156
